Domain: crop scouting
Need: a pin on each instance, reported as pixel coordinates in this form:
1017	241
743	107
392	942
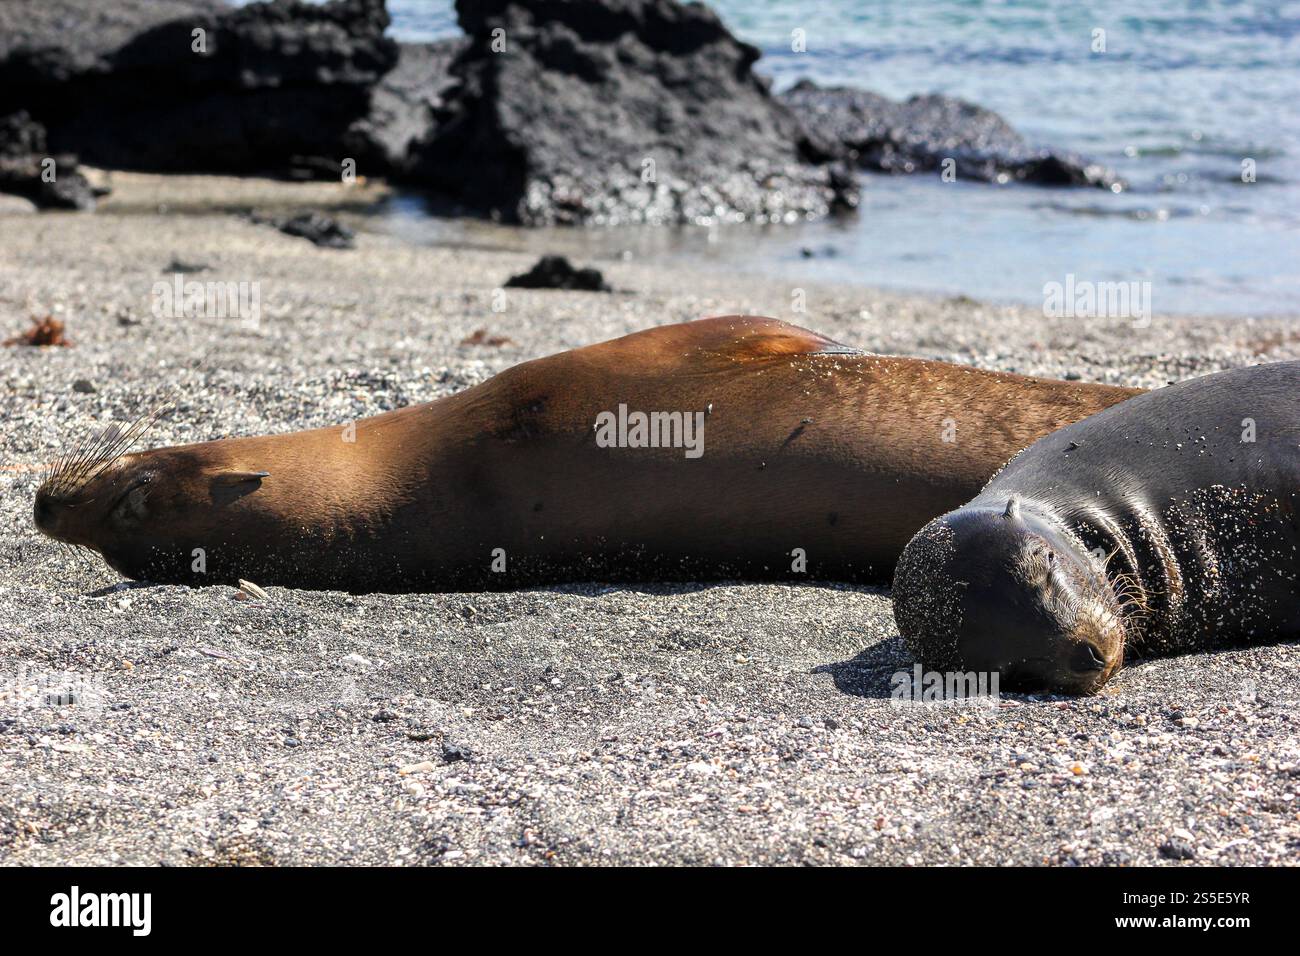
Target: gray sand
722	723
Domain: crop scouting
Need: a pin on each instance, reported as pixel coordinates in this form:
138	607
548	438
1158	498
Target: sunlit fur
809	440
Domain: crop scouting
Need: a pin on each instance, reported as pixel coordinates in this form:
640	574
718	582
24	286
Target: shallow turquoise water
1183	93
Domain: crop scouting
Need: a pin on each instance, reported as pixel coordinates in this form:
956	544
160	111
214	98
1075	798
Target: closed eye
139	482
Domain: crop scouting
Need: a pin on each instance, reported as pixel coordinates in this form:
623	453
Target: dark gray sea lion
1166	524
729	447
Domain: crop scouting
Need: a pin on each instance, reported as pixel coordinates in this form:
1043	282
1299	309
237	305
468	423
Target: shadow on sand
868	673
119	587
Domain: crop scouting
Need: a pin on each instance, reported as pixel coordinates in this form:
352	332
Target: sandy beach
728	723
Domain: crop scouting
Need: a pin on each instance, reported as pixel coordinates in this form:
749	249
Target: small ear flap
1013	508
239	477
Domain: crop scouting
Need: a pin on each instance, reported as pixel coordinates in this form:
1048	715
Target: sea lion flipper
239	477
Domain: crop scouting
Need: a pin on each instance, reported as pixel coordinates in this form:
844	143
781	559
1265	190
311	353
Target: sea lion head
146	513
1008	590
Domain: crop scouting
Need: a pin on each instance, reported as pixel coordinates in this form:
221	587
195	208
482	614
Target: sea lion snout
45	513
1003	590
73	504
145	512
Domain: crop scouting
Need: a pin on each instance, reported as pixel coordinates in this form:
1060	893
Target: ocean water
1182	95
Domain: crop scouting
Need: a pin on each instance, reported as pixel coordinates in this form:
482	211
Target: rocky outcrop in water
265	87
919	133
611	111
27	169
582	111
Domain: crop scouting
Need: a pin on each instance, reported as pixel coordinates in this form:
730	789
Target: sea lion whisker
93	447
71	464
94	456
75	556
85	446
114	442
1132	600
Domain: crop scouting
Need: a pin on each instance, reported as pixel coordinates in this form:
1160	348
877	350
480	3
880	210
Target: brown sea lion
779	454
1168	524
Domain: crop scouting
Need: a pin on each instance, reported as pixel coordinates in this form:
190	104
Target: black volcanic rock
557	272
280	84
606	111
61	39
316	227
21	136
403	104
24	161
917	134
319	229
